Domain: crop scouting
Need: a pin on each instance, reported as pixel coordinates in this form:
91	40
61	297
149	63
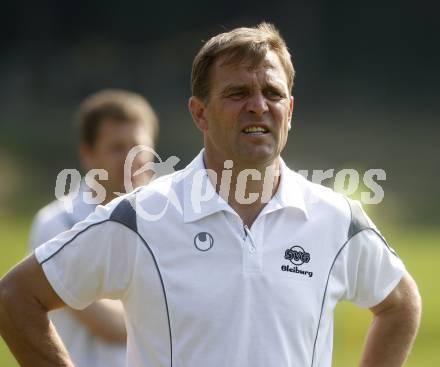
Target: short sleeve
371	268
94	260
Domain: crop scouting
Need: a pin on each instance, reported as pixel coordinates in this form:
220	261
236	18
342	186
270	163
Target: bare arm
25	298
394	327
104	318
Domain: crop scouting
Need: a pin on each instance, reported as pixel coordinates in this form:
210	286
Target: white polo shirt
200	289
84	347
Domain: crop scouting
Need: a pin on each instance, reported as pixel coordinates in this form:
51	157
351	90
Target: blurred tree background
366	96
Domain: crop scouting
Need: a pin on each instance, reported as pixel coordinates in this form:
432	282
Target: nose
257	104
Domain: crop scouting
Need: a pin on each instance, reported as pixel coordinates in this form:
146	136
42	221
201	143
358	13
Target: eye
238	94
274	95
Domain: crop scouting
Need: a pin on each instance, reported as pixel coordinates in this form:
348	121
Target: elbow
115	332
119	337
112	335
104	320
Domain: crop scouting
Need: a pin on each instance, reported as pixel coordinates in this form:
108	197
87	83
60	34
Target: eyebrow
234	87
244	87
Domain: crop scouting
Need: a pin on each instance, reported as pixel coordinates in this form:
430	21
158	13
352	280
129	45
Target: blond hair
237	45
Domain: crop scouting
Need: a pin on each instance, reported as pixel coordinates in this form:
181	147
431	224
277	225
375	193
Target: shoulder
166	190
146	202
51	212
319	197
49	221
323	200
162	185
66	211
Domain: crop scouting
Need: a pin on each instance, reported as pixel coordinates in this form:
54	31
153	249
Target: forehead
112	129
268	70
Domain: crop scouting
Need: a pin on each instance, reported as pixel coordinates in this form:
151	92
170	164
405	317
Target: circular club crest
203	241
297	255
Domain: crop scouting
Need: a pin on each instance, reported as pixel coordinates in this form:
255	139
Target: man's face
114	141
248	112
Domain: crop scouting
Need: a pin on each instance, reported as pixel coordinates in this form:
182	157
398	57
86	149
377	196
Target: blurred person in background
109	123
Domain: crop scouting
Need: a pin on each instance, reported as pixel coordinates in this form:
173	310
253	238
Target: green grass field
418	247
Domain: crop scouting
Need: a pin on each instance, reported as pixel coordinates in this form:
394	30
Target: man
109	123
214	268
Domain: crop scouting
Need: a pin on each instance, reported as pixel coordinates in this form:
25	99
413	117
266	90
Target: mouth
255	130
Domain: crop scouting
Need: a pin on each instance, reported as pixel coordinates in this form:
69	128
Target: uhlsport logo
203	241
297	256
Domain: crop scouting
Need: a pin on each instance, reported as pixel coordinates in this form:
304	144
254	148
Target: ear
292	103
197	109
86	156
291	111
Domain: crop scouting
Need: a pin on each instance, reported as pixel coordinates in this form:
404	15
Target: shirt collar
201	199
290	192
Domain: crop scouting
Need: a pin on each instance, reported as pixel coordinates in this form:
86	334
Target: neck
247	188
